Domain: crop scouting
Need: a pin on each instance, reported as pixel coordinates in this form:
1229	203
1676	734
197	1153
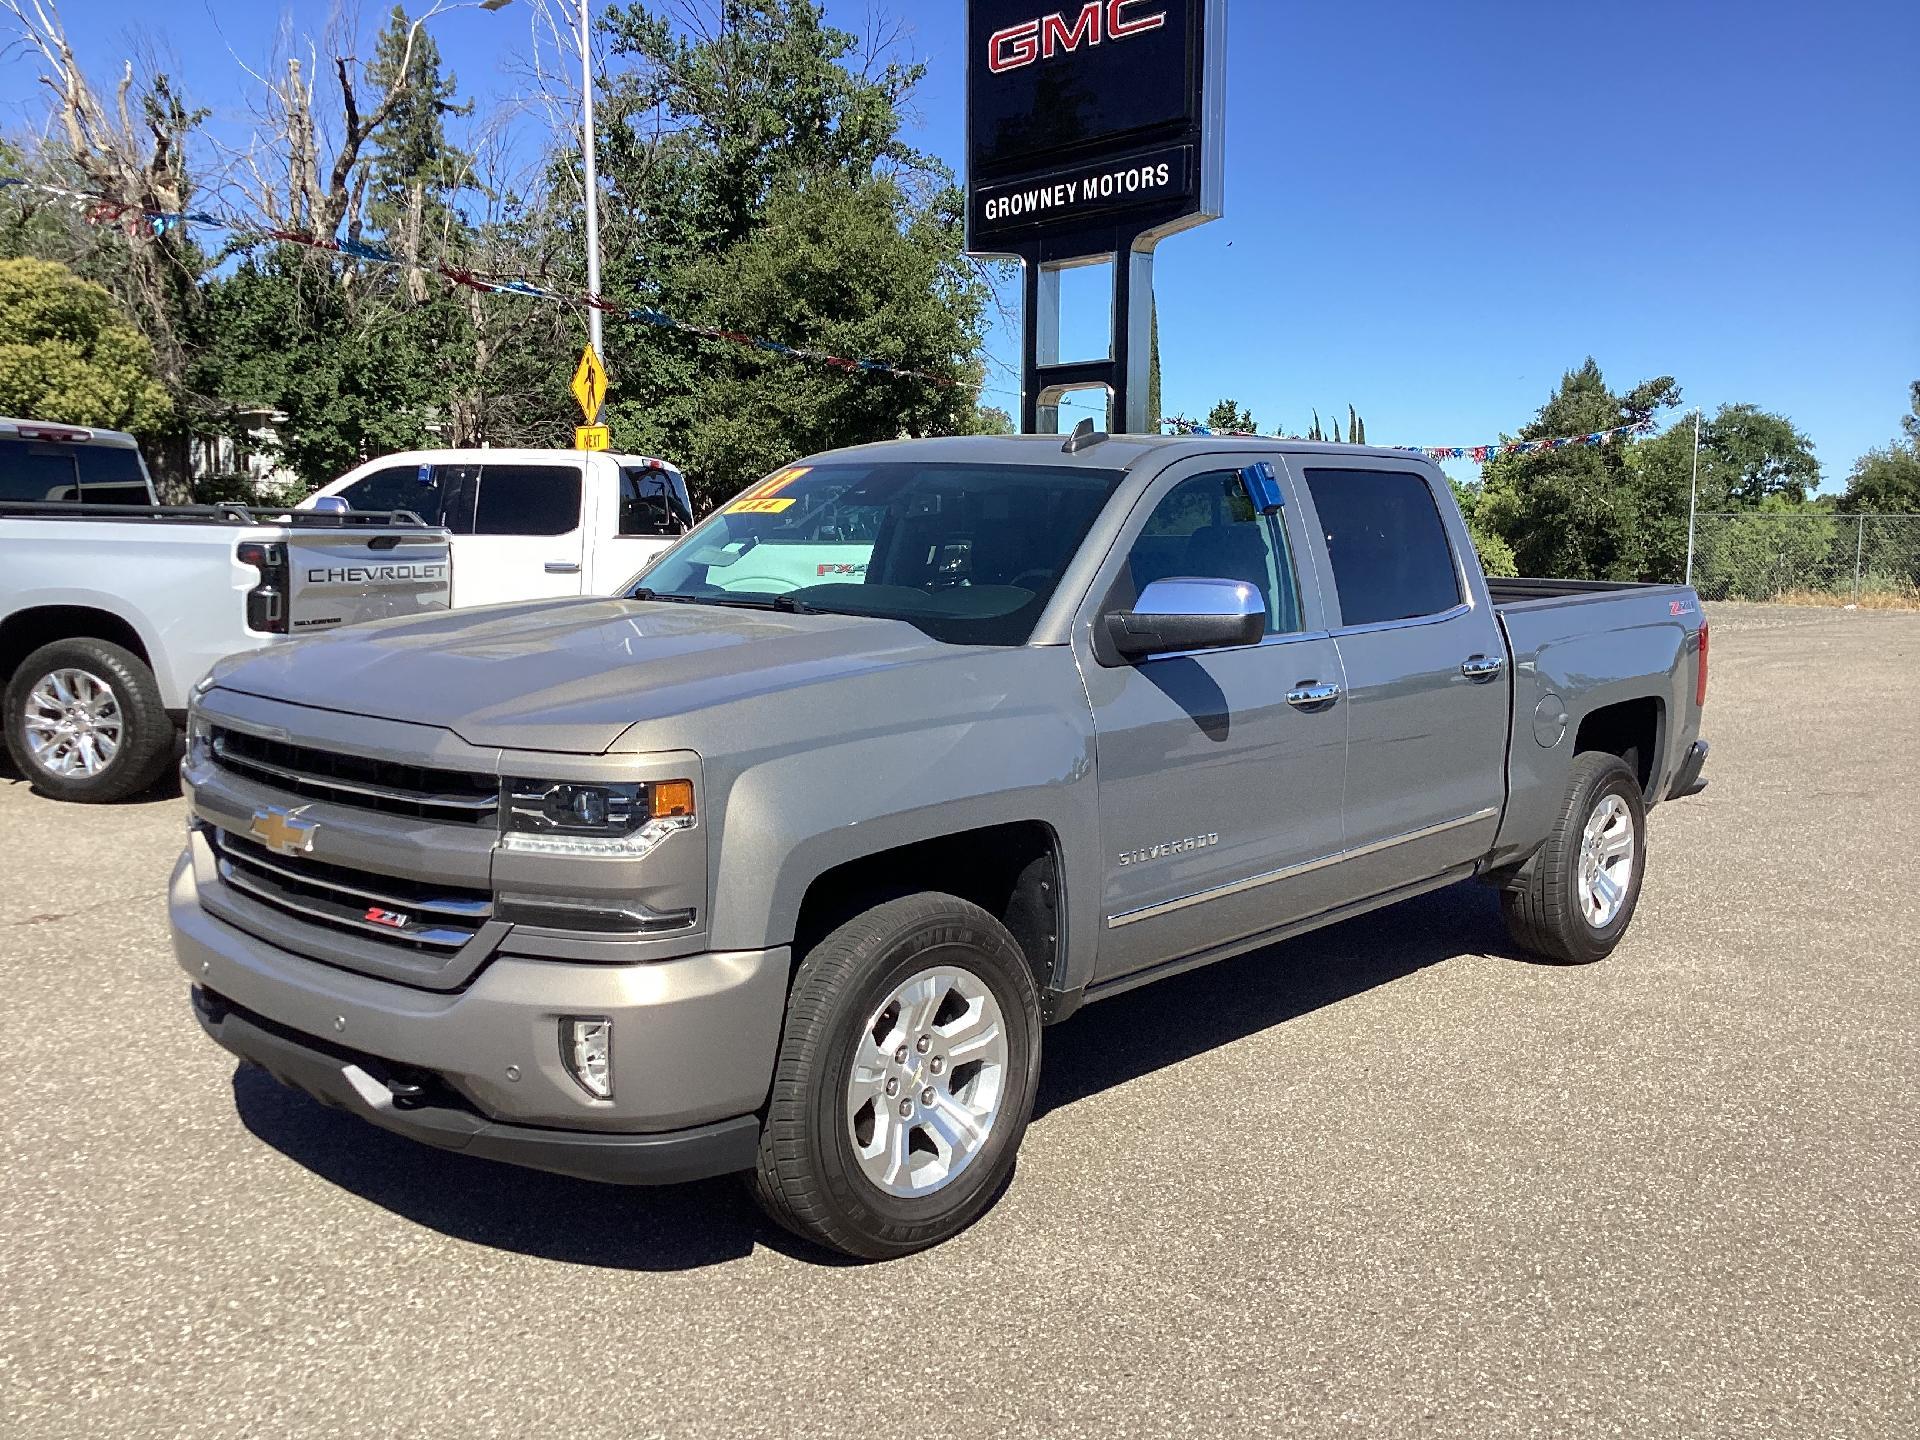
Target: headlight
563	817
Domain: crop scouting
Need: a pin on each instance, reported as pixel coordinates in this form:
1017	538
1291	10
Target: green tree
850	270
1227	416
1577	511
353	374
721	128
991	420
1887	481
68	353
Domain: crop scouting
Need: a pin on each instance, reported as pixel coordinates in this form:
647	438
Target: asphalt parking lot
1389	1180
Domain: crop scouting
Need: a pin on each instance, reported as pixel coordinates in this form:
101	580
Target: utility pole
1693	494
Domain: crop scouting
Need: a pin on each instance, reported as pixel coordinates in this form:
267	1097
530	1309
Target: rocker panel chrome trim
1254	882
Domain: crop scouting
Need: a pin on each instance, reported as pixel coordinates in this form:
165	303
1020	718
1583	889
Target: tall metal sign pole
1093	133
594	331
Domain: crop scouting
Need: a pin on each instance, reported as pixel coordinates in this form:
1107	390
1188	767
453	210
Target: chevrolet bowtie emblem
283	831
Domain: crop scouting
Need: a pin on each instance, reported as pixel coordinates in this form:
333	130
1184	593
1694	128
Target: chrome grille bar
358	781
325	895
458	907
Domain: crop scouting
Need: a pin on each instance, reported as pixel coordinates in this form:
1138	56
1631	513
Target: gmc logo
1042	39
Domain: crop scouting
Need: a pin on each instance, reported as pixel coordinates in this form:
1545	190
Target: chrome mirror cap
1188	612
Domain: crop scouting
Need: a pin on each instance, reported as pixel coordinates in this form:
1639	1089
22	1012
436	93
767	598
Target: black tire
146	742
1542	903
808	1178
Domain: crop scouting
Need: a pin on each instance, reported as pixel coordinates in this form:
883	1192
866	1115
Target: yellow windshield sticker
767	489
759	507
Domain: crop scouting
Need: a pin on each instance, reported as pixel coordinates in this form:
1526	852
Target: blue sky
1435	209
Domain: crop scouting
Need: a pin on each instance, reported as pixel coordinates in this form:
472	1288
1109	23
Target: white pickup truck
530	524
112	606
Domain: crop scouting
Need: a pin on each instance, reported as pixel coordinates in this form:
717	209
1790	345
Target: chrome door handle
1482	667
563	567
1312	697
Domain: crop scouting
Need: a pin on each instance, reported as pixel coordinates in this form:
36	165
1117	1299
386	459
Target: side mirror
331	505
1188	613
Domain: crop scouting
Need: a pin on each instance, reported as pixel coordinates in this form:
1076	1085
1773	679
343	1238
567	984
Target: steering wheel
1019	582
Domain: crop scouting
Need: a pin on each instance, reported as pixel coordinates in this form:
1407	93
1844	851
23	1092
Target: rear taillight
267	601
1700	683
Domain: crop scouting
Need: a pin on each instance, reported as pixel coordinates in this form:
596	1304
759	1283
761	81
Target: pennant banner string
1479	454
99	210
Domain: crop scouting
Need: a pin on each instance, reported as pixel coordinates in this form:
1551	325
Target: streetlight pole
587	149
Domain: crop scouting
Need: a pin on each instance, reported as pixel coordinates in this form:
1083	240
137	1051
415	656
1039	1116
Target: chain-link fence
1808	556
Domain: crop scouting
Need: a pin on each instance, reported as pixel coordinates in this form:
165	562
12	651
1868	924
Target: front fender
916	756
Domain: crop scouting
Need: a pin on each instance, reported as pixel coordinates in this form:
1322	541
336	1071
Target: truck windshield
970	554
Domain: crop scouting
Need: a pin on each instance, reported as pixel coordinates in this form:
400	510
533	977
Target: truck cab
530	524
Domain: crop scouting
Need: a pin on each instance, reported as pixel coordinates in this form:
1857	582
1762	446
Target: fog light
586	1049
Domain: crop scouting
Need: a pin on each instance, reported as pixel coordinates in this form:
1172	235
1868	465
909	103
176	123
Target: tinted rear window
111	475
398	487
1391	559
36	470
527	500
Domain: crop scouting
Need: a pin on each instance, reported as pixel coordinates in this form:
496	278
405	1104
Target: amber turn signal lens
672	797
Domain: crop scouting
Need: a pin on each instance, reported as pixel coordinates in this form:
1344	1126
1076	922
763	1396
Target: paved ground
1386	1181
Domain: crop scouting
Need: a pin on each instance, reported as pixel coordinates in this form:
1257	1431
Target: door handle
563	567
1482	667
1312	696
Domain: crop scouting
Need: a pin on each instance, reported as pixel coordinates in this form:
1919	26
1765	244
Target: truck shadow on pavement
688	1226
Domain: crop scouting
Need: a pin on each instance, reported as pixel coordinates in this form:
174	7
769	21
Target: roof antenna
1084	437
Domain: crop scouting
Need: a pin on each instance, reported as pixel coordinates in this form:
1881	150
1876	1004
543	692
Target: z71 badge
1167	850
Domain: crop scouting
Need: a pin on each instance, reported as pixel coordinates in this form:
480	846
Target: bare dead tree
131	150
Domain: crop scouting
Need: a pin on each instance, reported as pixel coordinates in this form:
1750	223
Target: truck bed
1527	590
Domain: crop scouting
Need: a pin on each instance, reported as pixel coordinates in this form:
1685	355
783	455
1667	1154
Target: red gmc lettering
1119	27
1013	47
1020	45
1054	34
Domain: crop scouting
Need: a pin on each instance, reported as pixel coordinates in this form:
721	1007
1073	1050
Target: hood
567	675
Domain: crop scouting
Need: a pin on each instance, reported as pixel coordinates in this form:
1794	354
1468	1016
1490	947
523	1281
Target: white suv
530	523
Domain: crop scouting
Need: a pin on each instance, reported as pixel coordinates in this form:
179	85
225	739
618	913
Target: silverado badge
283	831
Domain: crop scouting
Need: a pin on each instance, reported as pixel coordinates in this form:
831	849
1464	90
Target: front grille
455	796
431	917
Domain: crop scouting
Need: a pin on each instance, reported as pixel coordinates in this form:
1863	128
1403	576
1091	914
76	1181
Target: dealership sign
1091	121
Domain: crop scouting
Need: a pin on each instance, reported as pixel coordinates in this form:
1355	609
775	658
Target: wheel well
1010	871
25	631
1629	729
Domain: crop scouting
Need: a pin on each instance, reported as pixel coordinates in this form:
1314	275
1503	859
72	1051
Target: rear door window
1391	558
650	503
36	470
112	475
398	487
527	500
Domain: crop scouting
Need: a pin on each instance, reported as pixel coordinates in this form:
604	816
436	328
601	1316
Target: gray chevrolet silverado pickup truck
781	862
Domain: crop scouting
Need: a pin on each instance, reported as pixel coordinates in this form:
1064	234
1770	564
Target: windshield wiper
785	603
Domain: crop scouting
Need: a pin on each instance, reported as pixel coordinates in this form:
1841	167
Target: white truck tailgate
338	577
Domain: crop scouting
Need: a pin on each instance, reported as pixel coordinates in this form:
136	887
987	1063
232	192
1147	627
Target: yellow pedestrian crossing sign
590	384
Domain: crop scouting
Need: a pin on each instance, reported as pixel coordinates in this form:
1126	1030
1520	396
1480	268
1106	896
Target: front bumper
480	1069
395	1100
